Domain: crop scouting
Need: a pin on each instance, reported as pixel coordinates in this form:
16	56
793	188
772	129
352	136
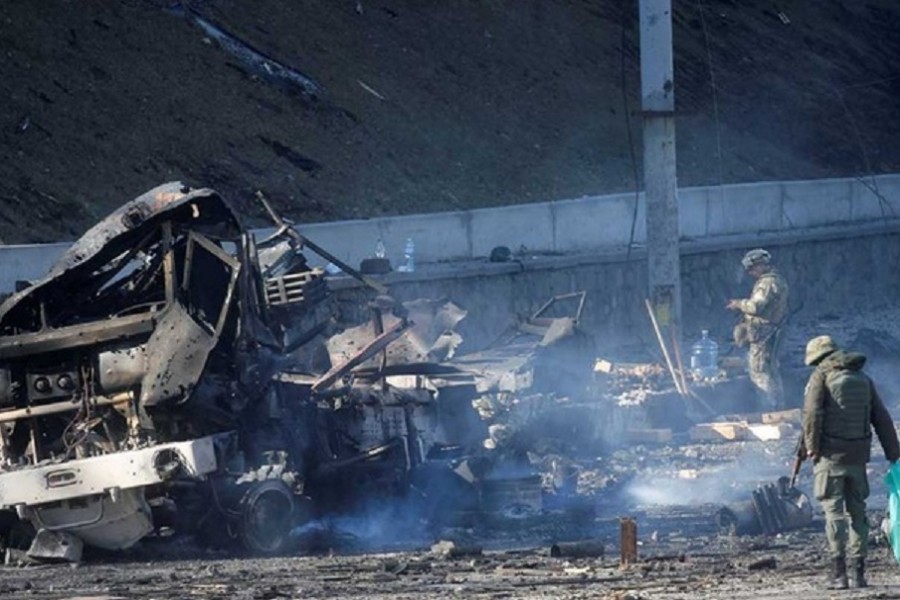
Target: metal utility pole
660	185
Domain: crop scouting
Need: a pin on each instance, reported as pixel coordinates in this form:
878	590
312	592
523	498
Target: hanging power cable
715	95
627	111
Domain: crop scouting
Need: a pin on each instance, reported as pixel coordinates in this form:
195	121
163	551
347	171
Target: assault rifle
799	457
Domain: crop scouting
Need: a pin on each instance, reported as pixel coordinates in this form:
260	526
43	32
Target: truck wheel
266	517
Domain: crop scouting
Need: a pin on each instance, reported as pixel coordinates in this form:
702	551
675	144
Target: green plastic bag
892	480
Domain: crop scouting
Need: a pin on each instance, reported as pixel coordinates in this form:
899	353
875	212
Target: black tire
266	517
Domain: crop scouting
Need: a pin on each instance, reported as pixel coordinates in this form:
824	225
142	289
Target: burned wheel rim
267	511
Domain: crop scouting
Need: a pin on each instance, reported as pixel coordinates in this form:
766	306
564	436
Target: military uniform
841	407
764	312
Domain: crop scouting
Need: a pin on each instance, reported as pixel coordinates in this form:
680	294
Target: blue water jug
409	255
705	358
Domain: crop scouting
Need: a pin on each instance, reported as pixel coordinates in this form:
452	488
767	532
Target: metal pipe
627	542
662	345
59	407
676	346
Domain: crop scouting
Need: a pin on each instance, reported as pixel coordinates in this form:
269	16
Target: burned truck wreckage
171	370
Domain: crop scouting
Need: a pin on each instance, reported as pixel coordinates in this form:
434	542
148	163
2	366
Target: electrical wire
627	111
715	100
640	331
873	186
79	426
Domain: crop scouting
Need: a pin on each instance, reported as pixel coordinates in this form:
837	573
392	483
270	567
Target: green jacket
840	409
766	308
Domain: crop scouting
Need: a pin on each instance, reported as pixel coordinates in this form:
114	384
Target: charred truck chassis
170	369
127	366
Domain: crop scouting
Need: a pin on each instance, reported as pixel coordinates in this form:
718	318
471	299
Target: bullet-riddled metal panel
179	349
122	368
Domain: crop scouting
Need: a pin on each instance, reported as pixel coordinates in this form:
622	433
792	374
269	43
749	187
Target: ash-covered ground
672	491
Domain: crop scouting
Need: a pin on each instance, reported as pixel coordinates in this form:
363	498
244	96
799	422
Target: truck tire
266	518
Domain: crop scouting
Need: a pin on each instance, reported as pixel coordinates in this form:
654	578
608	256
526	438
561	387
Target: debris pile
771	509
172	371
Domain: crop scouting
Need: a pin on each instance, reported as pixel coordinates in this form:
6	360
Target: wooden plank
719	432
740	418
793	416
603	366
775	431
293	285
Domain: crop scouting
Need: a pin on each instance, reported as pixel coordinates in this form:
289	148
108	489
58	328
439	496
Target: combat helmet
757	256
818	348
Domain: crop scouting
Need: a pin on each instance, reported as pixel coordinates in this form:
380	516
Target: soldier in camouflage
840	409
761	326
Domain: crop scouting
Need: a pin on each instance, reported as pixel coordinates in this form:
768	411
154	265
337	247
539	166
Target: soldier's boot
858	575
838	574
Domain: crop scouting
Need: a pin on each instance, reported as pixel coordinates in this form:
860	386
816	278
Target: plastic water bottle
705	357
409	255
380	250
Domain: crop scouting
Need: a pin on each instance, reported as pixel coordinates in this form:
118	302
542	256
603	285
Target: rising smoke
729	481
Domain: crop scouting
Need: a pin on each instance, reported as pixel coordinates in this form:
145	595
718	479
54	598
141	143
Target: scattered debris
648	436
580	549
369	89
717	432
763	563
18	558
500	254
791	417
732	431
55	546
772	508
450	549
258	62
769	432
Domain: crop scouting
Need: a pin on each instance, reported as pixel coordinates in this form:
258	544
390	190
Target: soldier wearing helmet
763	315
840	409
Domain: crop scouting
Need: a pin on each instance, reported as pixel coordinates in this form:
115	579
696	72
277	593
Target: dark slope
425	106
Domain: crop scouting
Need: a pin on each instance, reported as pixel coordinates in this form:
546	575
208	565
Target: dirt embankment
423	107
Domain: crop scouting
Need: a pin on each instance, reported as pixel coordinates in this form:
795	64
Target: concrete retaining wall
604	222
26	262
597	223
844	273
836	241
